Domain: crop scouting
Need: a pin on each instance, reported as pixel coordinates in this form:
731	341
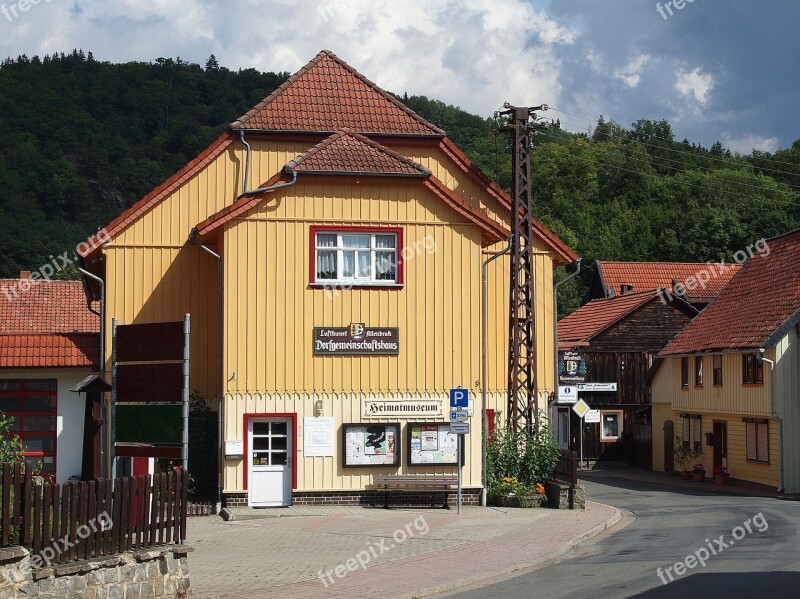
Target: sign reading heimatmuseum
356	340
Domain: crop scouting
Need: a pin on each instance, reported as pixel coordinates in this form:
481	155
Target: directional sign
592	416
459	398
459	428
459	415
581	408
567	394
596	386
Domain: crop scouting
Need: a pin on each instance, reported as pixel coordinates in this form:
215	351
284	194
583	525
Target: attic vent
625	289
610	292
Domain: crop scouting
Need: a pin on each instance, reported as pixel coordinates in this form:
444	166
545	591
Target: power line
591	121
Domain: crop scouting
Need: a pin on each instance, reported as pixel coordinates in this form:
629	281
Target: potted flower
698	473
684	454
532	497
721	475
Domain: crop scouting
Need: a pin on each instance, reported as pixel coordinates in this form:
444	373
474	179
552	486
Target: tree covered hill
81	140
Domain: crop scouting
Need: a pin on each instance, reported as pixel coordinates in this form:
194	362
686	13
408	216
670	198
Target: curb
537	564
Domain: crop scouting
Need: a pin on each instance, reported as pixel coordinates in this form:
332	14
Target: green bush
528	458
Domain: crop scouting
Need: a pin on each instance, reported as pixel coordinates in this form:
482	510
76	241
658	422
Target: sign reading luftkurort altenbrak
356	339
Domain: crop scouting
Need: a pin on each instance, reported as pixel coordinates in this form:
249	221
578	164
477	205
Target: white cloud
694	84
745	144
631	73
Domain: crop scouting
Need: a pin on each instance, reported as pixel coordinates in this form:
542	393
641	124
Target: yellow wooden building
335	239
729	384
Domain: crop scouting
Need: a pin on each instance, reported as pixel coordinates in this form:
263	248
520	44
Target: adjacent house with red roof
695	282
328	247
715	393
49	341
616	339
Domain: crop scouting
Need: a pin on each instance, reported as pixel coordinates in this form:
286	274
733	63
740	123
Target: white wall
69	425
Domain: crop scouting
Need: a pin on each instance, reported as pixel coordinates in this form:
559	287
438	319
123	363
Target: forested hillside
81	140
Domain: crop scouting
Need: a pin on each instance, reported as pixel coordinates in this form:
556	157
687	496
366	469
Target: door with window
270	462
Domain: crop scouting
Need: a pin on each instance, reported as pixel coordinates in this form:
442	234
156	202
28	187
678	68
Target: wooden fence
77	521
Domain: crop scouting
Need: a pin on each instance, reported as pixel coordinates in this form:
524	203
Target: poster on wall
431	443
373	444
318	436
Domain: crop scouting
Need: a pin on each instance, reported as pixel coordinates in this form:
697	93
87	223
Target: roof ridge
240	122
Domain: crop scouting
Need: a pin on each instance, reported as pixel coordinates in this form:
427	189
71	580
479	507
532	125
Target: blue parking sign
459	398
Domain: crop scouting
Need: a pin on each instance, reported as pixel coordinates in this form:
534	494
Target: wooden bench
415	483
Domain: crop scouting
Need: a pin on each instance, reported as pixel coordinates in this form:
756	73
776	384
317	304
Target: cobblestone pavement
406	552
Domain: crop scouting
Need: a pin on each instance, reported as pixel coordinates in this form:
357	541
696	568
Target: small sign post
459	401
581	408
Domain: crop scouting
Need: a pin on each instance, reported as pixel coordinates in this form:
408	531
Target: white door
270	462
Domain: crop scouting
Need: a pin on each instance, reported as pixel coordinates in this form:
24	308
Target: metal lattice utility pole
523	403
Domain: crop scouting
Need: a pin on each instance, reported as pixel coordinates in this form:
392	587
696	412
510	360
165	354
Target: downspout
556	287
104	444
247	192
246	162
485	358
220	399
773	414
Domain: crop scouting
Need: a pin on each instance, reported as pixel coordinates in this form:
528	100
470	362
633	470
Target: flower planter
698	476
526	501
686	475
721	479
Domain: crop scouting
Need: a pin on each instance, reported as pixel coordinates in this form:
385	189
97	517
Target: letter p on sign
459	398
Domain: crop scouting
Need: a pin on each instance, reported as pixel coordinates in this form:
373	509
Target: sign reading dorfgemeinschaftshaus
356	340
571	368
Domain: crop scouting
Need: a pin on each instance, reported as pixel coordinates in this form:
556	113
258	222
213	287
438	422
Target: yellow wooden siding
661	413
327	473
162	284
732	396
445	169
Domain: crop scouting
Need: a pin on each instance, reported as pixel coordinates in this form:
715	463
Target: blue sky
717	70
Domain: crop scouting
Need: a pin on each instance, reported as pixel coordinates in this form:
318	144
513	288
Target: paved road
669	525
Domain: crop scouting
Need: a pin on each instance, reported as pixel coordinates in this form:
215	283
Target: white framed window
356	257
612	423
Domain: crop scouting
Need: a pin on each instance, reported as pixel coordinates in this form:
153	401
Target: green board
150	423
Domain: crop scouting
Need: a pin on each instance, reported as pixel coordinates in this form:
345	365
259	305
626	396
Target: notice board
371	444
431	443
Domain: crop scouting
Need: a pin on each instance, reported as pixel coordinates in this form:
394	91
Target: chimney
25	275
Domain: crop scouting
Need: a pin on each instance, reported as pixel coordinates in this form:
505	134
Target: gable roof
756	309
347	152
46	324
327	95
593	318
647	276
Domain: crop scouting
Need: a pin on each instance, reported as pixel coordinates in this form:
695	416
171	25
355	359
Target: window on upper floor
356	257
752	370
718	369
684	372
698	371
757	440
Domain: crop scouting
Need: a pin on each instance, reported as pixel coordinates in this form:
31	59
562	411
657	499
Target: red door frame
292	456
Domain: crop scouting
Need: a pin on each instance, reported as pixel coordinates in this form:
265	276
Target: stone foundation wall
367	498
159	573
558	496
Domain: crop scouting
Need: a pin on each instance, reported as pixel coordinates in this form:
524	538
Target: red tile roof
759	305
49	351
46	324
347	152
327	95
646	276
593	318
